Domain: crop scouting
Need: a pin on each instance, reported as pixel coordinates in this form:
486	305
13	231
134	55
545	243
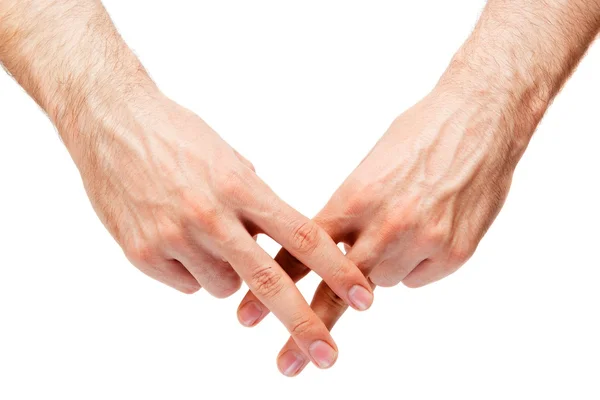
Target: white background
303	89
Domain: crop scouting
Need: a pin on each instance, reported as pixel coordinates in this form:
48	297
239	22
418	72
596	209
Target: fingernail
291	363
249	313
360	297
323	354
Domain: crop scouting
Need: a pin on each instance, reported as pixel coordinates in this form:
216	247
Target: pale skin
182	203
417	206
185	206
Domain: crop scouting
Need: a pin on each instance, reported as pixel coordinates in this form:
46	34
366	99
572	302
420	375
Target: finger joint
266	282
305	237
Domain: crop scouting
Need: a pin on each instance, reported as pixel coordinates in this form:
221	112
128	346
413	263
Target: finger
427	272
216	276
311	245
439	266
329	307
276	291
347	247
172	273
394	269
326	303
251	311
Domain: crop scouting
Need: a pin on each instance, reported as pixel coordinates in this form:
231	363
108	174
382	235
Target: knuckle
202	213
305	237
432	237
397	224
172	236
458	255
232	183
205	216
358	201
141	253
266	282
227	287
301	325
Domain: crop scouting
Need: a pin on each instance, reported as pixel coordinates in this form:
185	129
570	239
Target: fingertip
323	354
250	314
291	363
360	297
190	288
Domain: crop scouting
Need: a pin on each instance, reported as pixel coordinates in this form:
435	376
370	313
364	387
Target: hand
181	202
417	206
185	207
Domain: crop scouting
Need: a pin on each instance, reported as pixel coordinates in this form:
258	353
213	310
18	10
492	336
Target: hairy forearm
69	57
520	54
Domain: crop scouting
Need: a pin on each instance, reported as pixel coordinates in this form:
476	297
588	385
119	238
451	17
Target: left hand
417	206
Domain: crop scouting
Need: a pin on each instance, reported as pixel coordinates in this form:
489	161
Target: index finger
329	308
312	246
251	311
276	290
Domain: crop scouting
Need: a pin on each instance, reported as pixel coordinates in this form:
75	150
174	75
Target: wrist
519	56
68	56
101	105
510	88
93	126
509	93
504	110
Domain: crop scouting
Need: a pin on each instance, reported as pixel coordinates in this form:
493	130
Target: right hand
417	206
185	206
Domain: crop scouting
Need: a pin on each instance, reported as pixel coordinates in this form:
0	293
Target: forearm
520	54
69	57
